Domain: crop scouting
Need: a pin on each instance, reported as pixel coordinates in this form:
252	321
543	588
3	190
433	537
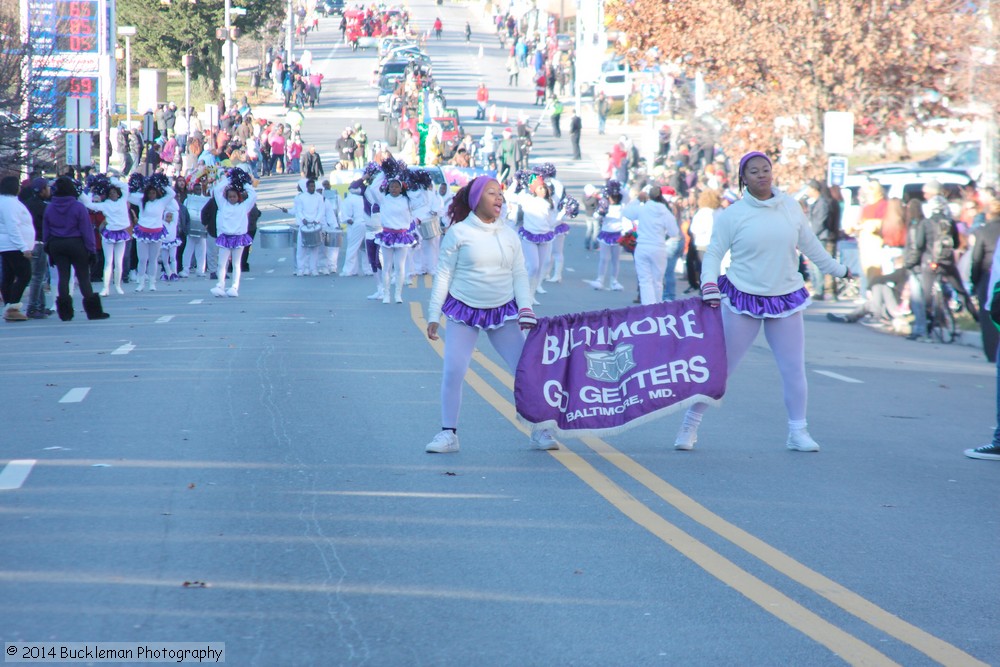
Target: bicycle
941	324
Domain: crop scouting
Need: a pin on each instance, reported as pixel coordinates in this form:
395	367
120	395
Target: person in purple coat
70	241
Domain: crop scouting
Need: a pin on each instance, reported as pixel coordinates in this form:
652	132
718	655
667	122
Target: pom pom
522	179
159	181
136	183
239	179
612	189
99	184
571	206
369	172
545	170
628	240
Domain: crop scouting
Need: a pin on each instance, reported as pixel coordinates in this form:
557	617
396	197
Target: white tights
114	257
786	338
554	266
195	247
609	258
149	256
536	257
394	261
459	342
168	257
237	255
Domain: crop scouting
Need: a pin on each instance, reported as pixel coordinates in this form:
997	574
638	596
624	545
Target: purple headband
749	156
476	190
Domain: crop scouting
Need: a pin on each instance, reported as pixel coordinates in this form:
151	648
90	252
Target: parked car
386	86
330	7
963	155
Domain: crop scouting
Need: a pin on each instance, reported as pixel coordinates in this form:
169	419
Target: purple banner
604	372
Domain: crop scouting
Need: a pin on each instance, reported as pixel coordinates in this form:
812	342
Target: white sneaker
543	439
540	290
686	437
184	274
386	298
152	285
617	286
142	285
118	288
596	284
801	441
232	291
218	291
444	442
375	296
104	292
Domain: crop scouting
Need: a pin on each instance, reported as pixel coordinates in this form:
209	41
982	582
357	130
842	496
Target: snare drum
197	230
311	238
334	239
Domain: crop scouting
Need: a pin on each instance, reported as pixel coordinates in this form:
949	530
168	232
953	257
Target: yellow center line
768	598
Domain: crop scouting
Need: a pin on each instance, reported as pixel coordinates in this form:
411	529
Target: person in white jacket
431	247
537	213
554	270
613	225
352	214
157	205
17	241
396	237
332	234
481	284
763	232
232	222
309	209
654	225
112	201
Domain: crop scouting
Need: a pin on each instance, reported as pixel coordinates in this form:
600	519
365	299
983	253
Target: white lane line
269	271
75	395
282	259
195	302
164	319
124	349
838	376
14	473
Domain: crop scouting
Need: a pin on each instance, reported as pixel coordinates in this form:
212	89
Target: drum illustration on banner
602	373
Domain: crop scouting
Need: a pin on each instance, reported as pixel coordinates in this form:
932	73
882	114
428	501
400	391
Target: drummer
332	234
309	209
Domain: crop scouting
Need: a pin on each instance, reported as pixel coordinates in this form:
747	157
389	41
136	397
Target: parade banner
605	372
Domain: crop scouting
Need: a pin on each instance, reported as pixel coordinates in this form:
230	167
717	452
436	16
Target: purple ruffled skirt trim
535	238
763	307
481	318
233	240
609	238
562	228
176	243
115	235
393	238
144	236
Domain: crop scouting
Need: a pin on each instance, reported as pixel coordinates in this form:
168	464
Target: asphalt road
271	446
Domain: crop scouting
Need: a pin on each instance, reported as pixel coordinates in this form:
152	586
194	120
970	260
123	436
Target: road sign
838	132
650	106
836	170
78	149
148	127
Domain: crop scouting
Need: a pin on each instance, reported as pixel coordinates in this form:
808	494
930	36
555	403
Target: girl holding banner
655	223
481	284
762	232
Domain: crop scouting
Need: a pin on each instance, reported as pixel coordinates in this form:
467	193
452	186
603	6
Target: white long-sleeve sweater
539	216
394	212
613	221
233	219
482	265
762	237
654	222
152	214
115	212
16	229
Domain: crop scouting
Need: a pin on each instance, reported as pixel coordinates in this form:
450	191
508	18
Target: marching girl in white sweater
113	203
654	224
396	237
763	232
613	225
554	269
481	284
235	197
157	206
538	223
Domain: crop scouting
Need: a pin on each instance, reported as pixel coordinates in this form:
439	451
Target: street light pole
288	35
186	60
127	31
227	69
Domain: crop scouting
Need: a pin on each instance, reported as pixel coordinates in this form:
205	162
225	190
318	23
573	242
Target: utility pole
227	67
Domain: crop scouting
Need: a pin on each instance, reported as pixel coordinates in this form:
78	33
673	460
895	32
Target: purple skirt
176	243
395	238
535	238
481	318
609	238
562	228
763	307
233	240
144	236
115	235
